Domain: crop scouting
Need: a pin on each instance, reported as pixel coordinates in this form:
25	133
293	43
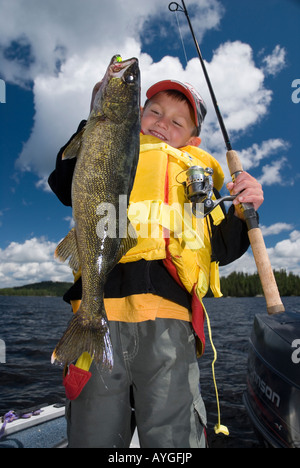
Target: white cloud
276	229
205	15
271	173
275	62
51	32
64	47
71	221
239	83
245	264
43	184
62	101
253	156
284	255
31	262
241	94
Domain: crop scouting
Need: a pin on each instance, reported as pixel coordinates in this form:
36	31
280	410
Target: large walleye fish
107	152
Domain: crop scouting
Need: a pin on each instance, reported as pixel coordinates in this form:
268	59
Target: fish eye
129	79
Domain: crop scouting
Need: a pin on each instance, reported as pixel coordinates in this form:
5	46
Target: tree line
245	285
45	288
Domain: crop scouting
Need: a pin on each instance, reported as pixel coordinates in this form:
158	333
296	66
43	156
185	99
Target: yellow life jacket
165	230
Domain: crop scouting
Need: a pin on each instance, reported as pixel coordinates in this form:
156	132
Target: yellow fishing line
219	428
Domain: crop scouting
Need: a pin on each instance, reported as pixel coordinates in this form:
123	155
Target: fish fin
83	336
74	147
93	120
68	248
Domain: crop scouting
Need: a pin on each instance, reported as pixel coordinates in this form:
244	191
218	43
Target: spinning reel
199	191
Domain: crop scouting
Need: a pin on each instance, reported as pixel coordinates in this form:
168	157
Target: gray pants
155	361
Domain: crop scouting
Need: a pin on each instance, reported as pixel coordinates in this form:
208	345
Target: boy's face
169	120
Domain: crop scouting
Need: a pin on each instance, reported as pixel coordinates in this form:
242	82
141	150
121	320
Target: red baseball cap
189	92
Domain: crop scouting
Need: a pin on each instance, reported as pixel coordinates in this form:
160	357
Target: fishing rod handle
265	271
234	163
261	257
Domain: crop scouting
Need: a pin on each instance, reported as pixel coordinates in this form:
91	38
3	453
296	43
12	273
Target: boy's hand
251	189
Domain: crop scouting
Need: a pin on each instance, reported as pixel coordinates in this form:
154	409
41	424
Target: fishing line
174	7
181	37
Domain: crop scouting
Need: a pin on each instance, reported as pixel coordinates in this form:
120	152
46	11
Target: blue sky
52	53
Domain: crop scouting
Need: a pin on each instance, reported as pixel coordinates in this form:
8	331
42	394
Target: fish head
119	94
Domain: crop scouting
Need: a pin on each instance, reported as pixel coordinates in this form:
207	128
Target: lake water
31	326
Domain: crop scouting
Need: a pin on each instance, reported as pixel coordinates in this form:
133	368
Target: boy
153	296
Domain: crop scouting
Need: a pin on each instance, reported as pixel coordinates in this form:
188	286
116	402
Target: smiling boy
153	297
173	124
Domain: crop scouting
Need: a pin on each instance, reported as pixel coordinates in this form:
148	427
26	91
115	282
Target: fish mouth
120	88
127	69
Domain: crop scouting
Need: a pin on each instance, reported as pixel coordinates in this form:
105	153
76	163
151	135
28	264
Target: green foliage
45	288
244	285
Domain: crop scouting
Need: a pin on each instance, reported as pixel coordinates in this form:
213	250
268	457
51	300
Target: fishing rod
175	7
263	264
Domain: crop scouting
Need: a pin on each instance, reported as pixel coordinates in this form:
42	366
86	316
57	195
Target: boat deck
46	430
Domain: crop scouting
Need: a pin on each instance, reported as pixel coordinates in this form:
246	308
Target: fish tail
81	336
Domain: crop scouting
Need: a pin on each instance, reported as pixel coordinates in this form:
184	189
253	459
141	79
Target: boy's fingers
230	186
247	189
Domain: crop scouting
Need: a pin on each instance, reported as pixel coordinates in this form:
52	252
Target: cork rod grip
234	163
263	264
265	271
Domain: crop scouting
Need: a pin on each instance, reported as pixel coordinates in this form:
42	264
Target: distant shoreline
44	288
